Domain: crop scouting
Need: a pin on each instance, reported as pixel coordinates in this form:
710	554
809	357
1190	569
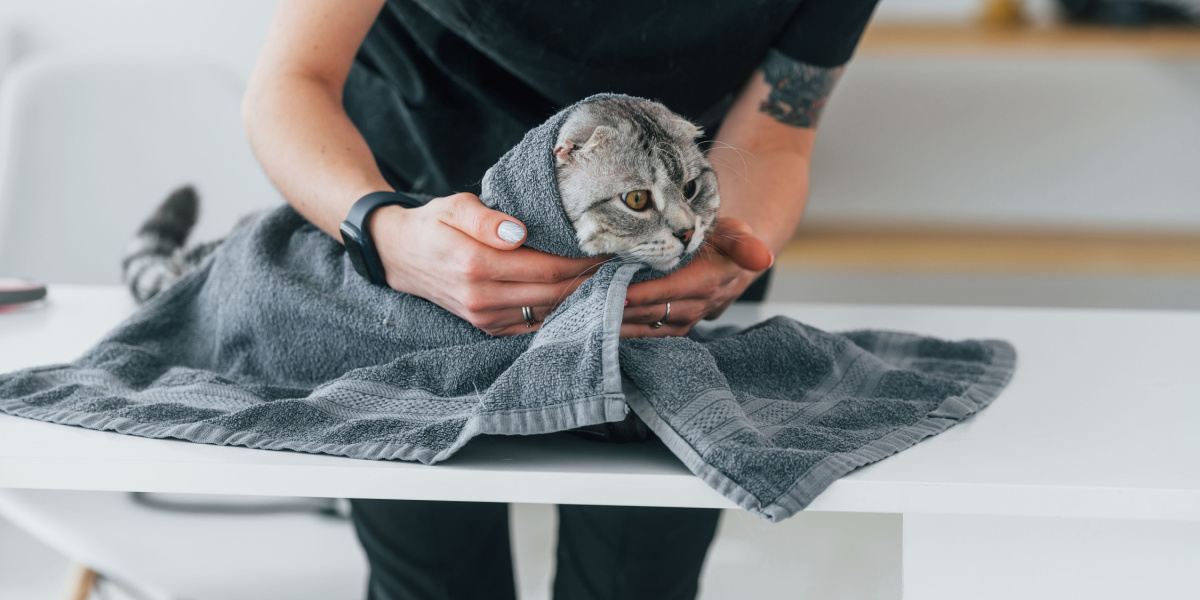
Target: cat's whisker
723	144
723	236
728	235
595	267
741	153
733	235
743	173
713	144
584	272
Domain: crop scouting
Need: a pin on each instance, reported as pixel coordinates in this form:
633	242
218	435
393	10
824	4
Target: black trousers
420	550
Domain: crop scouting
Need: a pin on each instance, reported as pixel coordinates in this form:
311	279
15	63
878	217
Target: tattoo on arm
798	91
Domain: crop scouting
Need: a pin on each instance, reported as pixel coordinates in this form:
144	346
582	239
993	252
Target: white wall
1089	142
8	48
1057	143
229	31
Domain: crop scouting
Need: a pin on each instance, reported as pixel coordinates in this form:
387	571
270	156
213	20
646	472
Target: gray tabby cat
156	257
632	178
634	182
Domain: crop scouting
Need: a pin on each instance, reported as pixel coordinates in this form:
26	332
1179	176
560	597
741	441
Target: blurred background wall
228	31
944	136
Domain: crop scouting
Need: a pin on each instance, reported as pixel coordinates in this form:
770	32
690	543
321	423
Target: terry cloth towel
275	343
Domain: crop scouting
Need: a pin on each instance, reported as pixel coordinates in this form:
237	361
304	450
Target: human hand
728	262
468	259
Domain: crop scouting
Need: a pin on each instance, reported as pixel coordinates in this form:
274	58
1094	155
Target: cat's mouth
664	255
664	264
658	262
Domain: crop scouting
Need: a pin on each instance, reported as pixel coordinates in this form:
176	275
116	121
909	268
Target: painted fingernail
510	231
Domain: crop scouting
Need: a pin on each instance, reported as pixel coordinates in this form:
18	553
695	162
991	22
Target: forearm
293	109
763	149
765	187
309	148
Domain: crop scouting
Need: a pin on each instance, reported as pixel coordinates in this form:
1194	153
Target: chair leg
81	583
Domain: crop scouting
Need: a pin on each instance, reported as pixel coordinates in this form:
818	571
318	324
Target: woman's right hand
468	259
448	251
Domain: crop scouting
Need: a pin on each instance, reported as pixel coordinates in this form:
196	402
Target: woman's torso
441	88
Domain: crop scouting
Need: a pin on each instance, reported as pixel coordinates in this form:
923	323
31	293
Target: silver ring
527	314
666	315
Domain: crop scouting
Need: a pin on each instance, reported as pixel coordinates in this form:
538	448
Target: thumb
466	213
735	239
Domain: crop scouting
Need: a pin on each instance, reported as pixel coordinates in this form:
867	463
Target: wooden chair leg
81	583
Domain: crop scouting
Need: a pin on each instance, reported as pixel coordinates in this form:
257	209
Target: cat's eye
689	189
638	200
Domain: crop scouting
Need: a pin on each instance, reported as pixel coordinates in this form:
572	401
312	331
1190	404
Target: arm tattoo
798	91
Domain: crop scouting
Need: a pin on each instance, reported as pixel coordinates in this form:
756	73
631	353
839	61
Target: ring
666	315
527	314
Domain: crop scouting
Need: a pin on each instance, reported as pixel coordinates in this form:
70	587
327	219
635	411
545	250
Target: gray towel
276	343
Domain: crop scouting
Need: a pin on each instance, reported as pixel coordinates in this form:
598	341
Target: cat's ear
600	137
690	129
563	150
584	139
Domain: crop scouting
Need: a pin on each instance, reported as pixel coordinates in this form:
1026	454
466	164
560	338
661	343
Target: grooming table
1081	480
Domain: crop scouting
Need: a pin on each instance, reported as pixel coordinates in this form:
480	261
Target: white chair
147	554
8	47
88	147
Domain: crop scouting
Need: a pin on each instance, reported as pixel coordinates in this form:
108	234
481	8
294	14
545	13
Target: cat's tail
155	257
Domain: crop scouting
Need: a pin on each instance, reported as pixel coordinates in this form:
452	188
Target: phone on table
20	291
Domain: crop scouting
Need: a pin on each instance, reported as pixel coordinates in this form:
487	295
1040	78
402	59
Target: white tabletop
1099	421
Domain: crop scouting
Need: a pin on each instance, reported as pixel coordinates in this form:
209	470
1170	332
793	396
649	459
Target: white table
1082	478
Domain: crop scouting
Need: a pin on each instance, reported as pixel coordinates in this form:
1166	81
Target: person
354	98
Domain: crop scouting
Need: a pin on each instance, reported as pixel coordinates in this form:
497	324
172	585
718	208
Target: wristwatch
356	236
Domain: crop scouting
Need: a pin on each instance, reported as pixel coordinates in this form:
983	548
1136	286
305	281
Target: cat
156	257
634	183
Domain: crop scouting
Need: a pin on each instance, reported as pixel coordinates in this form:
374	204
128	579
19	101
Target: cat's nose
685	235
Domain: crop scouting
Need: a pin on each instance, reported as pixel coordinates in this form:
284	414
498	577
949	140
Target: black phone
20	291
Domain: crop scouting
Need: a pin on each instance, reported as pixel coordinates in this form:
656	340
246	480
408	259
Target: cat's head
634	182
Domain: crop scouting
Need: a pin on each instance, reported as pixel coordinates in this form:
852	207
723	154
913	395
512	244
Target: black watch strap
357	236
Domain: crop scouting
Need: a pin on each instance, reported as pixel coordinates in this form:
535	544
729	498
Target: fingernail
510	231
627	302
772	261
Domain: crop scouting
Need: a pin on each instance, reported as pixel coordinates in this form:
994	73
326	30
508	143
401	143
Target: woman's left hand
728	262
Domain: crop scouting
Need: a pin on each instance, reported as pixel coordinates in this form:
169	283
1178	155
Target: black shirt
441	88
